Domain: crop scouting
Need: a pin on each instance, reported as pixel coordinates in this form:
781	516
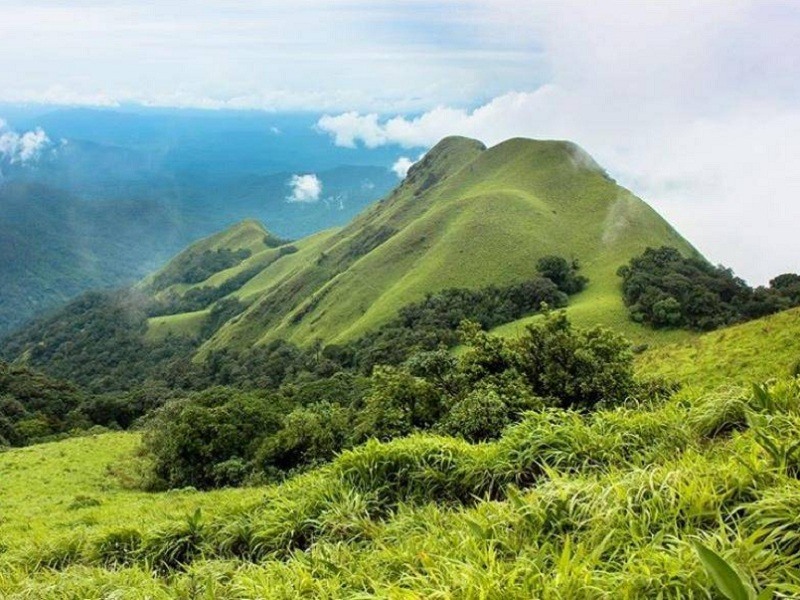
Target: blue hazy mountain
117	192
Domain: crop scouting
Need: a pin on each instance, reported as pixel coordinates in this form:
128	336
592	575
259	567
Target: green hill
465	216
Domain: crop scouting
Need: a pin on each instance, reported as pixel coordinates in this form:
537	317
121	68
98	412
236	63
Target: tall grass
563	505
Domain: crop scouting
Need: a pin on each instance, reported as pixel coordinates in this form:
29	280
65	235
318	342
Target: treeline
663	288
98	342
222	437
34	407
432	322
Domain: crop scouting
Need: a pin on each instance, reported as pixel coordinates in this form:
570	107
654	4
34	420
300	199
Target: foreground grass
77	487
562	506
754	351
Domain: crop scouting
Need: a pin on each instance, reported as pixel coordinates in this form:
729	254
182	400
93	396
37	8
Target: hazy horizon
693	106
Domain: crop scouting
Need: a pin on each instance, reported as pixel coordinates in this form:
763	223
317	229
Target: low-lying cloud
18	148
402	165
693	106
305	188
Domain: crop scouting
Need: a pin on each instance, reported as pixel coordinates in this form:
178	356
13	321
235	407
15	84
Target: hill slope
754	351
466	216
563	505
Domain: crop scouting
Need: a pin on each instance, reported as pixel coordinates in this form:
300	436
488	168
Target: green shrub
480	416
177	545
665	289
563	273
575	367
199	441
397	404
308	436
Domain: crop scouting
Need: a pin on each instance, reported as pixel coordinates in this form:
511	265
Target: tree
666	289
564	274
398	403
576	367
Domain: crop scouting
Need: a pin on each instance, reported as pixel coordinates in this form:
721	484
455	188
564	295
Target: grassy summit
465	216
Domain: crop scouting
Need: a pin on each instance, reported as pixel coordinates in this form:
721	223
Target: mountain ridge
466	216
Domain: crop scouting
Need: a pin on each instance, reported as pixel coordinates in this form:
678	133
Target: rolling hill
465	216
115	193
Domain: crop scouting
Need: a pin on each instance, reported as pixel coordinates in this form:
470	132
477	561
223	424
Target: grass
246	235
181	324
564	505
79	487
753	351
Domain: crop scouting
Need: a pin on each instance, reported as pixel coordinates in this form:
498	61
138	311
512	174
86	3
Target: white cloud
305	188
695	106
22	148
349	128
31	144
401	166
404	163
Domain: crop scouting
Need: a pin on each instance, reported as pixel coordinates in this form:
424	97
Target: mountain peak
448	156
550	151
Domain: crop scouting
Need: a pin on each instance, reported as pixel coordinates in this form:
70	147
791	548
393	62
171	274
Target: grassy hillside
564	505
754	351
247	236
466	216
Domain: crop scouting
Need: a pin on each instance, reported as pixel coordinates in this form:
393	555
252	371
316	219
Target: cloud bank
402	165
694	106
22	148
305	188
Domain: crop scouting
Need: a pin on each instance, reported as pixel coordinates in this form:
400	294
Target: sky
693	105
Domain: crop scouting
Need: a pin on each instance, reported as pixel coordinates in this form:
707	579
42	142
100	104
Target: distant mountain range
113	194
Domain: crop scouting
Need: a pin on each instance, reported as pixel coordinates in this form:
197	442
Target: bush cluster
663	288
221	437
